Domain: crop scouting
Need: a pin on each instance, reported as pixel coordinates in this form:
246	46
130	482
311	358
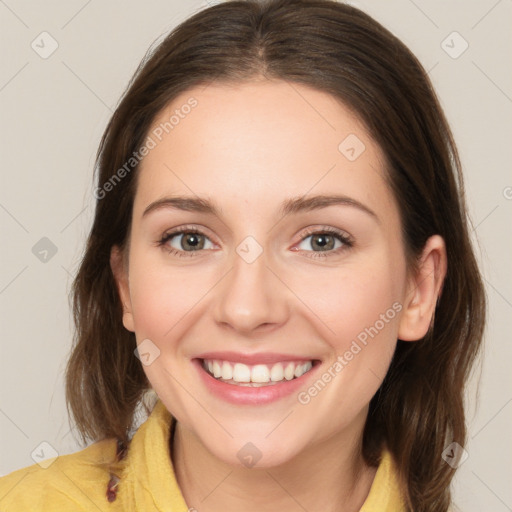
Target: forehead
256	140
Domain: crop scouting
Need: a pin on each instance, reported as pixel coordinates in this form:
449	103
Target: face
264	243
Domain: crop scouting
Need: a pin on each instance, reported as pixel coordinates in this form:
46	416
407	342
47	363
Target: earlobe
424	290
120	272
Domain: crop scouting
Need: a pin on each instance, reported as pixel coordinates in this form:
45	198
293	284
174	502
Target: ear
423	290
120	271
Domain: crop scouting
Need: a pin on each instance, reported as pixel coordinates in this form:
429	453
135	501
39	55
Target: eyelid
189	228
314	230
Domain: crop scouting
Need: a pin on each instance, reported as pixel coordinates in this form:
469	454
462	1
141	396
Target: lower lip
252	395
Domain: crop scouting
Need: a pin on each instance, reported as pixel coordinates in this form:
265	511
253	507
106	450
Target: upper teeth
262	373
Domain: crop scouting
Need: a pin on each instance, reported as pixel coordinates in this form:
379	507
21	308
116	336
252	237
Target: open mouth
240	374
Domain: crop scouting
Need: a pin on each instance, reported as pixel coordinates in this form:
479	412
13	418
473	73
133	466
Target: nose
251	297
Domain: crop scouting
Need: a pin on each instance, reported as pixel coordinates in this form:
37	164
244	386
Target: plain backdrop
54	108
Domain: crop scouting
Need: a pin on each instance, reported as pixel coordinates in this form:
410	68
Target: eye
185	240
328	241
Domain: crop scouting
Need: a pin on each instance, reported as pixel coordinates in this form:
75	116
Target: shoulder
79	479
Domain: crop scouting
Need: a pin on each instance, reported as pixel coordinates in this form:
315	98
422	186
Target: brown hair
338	49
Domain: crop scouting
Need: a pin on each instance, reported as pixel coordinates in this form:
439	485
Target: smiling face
264	273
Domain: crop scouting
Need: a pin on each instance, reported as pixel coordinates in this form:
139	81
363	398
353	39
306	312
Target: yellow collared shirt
78	483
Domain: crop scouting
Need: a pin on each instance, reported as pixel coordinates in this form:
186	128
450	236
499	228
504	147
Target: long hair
338	49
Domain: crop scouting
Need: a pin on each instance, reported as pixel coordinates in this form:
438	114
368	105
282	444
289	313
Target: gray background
53	112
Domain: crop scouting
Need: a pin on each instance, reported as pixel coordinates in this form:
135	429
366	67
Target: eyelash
347	242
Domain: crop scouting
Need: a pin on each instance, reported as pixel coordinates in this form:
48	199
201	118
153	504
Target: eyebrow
289	206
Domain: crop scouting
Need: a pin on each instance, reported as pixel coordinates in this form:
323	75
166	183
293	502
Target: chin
255	452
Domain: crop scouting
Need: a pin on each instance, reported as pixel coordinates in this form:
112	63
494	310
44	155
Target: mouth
254	379
258	375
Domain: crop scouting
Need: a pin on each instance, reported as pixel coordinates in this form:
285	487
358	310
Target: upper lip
253	359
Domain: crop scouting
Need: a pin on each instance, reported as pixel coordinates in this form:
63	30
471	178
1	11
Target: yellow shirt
77	483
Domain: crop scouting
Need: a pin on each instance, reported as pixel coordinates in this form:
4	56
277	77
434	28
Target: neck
331	476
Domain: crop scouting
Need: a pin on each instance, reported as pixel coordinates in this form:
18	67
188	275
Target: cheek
357	309
350	300
162	297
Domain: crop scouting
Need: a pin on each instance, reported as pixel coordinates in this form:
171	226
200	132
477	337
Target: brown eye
190	241
325	242
185	240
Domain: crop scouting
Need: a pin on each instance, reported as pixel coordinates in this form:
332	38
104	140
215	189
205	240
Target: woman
280	255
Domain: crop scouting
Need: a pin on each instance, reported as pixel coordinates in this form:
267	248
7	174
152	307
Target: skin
248	147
